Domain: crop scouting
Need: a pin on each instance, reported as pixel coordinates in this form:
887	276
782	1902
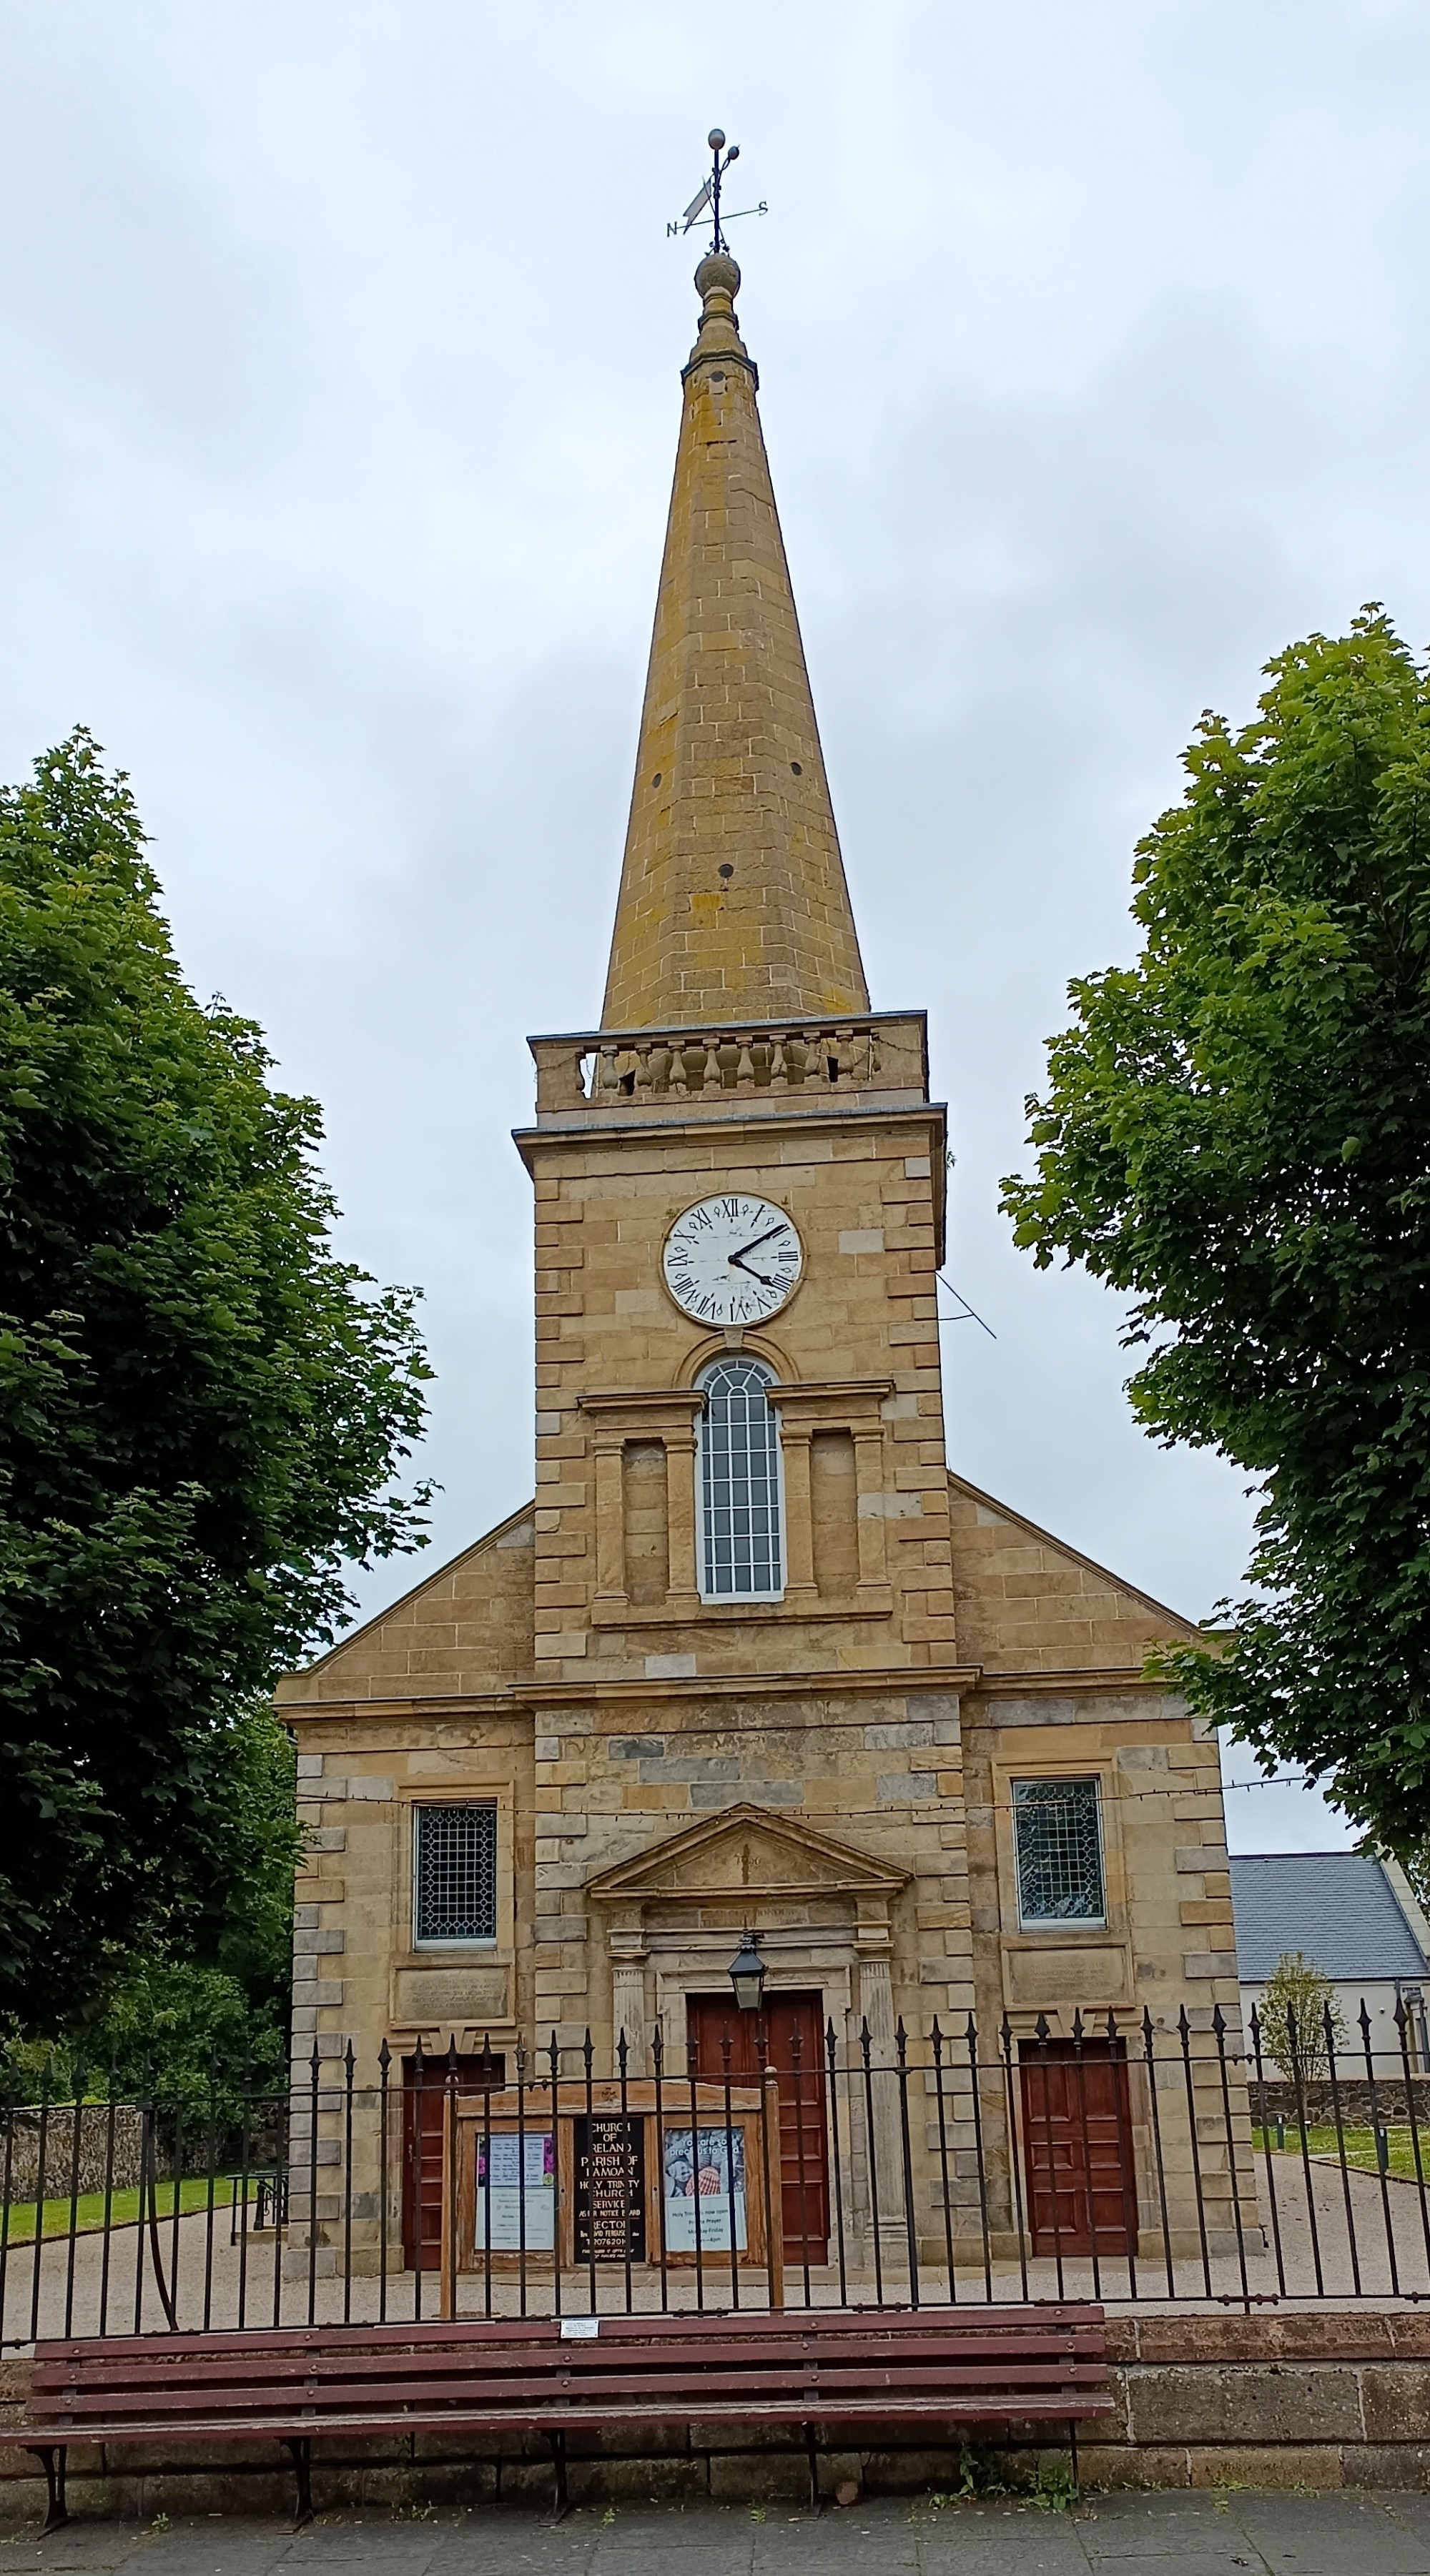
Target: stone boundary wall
1357	2103
1294	2399
94	2149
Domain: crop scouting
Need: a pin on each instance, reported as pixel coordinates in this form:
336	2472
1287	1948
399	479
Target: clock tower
743	1594
753	1661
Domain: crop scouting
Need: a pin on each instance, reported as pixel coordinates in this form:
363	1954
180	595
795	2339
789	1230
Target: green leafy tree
206	2005
202	1412
1292	2018
169	2031
1236	1133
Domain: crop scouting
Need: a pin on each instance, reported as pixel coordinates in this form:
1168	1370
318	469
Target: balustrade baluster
677	1064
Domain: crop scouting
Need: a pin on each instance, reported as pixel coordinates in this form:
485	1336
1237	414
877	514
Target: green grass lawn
17	2225
1360	2146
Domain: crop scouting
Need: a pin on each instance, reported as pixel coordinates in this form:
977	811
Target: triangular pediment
742	1848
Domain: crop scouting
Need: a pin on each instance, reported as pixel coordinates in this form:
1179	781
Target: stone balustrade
778	1063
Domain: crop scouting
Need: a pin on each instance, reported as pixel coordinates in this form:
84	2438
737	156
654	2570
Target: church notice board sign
597	2175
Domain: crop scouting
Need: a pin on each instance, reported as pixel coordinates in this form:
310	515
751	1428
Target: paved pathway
1156	2535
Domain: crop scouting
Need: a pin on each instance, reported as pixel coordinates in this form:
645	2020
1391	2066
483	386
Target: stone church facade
754	1658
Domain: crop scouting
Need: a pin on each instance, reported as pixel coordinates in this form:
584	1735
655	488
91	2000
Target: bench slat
161	2360
264	2345
556	2415
673	2391
913	2352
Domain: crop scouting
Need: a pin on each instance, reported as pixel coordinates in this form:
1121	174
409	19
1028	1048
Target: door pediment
746	1848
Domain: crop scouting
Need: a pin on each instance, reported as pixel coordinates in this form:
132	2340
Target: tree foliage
1236	1133
202	1411
1296	2009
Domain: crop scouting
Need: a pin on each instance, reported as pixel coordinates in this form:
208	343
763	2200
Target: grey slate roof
1338	1907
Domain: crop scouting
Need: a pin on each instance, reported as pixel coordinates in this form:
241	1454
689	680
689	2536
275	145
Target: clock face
732	1260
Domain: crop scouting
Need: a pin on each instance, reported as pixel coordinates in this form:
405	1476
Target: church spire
733	903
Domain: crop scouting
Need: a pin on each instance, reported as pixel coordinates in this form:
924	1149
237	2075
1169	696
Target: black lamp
747	1973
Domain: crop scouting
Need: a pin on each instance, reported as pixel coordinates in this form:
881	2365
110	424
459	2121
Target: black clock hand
737	1258
738	1262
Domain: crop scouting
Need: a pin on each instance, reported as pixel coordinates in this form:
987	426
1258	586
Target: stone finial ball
715	139
717	269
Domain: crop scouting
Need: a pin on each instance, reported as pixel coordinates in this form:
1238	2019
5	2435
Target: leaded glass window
741	1541
454	1874
1057	1835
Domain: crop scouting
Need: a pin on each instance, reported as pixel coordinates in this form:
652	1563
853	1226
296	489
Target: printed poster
696	2167
516	2174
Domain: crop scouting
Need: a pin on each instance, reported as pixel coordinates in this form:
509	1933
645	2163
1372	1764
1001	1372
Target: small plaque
460	1997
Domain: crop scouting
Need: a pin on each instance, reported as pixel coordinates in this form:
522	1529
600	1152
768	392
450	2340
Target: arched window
741	1538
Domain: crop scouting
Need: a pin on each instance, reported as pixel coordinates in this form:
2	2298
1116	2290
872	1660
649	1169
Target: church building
754	1661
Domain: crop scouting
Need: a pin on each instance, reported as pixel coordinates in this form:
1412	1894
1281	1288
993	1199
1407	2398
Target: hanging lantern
747	1973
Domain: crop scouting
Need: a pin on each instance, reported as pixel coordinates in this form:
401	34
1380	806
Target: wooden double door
790	2027
1080	2180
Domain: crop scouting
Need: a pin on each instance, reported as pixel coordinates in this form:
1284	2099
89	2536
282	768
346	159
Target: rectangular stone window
454	1875
1057	1841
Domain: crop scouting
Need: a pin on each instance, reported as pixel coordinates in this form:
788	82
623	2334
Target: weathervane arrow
710	196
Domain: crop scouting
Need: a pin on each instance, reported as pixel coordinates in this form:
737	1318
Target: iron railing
1103	2158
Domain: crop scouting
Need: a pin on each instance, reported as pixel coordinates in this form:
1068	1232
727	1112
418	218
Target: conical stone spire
733	903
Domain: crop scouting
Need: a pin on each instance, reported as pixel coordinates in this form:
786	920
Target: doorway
791	2026
424	2087
1077	2146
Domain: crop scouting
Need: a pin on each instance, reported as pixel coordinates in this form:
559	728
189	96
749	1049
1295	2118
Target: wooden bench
811	2369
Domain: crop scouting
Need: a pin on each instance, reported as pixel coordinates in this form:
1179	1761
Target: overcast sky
339	383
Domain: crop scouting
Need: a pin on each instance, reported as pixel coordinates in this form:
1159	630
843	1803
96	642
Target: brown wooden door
422	2096
727	2041
1077	2147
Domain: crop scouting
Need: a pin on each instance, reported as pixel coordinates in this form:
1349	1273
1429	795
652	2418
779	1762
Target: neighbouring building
753	1658
1356	1917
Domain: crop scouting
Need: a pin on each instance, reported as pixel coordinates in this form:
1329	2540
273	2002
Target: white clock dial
732	1260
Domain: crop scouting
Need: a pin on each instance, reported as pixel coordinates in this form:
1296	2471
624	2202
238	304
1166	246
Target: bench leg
562	2505
52	2461
300	2451
811	2452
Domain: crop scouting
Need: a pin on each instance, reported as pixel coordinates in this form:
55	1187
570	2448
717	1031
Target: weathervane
710	196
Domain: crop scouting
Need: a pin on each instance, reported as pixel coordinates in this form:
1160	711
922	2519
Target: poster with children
697	2175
